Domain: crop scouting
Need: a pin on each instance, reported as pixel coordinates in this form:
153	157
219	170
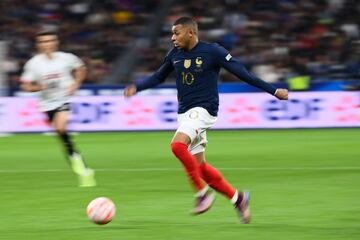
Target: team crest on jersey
187	63
198	62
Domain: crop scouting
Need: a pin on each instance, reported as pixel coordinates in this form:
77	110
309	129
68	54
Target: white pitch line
349	168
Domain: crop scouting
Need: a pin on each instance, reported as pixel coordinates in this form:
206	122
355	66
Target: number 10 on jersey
187	78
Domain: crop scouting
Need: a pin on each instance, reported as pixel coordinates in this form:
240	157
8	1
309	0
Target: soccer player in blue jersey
197	65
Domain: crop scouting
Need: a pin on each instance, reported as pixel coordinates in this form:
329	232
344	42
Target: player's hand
39	87
73	88
282	94
33	86
130	91
43	86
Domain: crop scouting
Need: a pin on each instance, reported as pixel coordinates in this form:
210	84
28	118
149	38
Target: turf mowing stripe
350	168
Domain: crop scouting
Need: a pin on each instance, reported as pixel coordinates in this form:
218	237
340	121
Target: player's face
181	36
47	43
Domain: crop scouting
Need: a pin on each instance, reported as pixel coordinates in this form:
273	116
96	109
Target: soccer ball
101	210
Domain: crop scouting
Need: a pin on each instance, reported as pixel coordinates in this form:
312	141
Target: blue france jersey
197	74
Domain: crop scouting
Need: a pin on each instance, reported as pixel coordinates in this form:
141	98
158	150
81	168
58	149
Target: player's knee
60	130
178	147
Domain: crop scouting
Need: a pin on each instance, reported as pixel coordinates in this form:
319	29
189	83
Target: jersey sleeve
159	76
75	61
233	65
29	73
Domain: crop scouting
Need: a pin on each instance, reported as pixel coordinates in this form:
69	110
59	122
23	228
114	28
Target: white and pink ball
101	210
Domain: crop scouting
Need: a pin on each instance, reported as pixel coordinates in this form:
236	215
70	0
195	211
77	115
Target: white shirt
55	73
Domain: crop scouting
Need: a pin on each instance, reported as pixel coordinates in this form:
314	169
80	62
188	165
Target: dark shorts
51	114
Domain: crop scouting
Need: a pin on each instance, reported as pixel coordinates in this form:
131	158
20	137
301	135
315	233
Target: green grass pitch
305	184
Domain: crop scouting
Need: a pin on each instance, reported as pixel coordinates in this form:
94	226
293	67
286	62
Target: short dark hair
45	33
187	21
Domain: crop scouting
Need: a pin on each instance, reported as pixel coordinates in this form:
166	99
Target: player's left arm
80	72
234	66
79	76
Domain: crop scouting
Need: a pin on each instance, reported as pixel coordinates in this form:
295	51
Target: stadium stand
277	40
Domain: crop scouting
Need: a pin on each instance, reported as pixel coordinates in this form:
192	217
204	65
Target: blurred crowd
275	39
96	31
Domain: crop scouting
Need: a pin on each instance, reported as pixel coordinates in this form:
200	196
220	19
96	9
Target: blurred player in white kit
57	75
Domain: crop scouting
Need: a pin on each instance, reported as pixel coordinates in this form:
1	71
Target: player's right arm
31	87
158	77
28	79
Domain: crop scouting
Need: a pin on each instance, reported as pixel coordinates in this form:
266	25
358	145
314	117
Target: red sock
214	178
190	164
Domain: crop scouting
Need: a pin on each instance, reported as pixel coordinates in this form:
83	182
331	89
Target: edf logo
293	109
168	111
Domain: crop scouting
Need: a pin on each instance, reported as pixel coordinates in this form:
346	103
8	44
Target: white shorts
194	123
